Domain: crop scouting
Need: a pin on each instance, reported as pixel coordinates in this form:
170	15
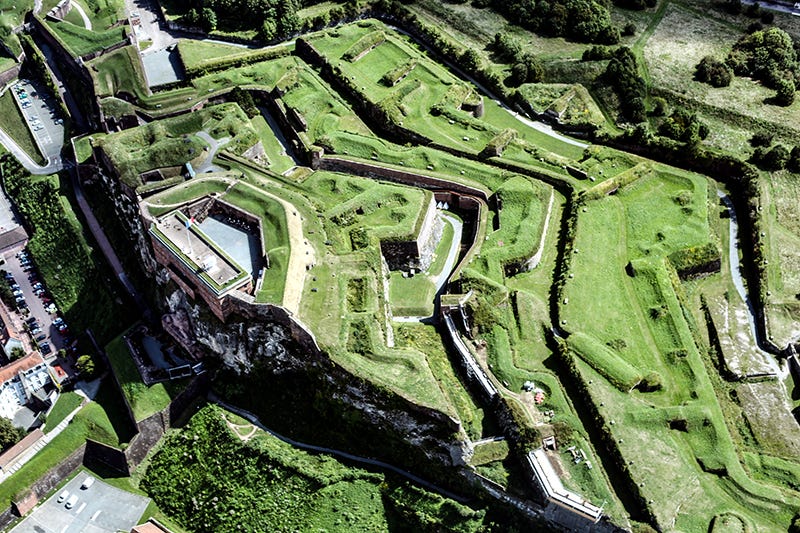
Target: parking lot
41	115
36	299
99	509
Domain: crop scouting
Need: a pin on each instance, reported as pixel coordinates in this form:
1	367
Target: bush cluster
273	19
713	72
770	57
684	126
622	74
526	67
580	20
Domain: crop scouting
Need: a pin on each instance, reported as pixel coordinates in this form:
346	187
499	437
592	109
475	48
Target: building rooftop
20	365
199	253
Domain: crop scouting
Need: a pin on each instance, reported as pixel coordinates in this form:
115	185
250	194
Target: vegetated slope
218	476
60	251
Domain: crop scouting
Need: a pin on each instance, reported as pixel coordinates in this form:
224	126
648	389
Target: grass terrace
196	54
430	100
174	142
144	401
15	126
81	41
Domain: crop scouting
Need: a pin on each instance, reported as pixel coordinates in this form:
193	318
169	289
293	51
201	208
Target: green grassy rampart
619	373
364	45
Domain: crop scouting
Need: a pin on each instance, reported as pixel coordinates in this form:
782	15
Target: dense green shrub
597	53
273	19
713	72
622	74
208	479
579	20
766	55
684	126
61	254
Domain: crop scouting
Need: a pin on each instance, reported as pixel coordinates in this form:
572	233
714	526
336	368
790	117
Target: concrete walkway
213	147
31	452
86	22
104	244
296	269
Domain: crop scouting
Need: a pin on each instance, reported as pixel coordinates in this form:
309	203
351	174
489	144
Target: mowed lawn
424	87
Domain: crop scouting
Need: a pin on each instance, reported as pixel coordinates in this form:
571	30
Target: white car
63	496
71	502
88	482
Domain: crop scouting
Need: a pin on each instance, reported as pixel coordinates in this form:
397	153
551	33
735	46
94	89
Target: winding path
86	22
22	156
533	262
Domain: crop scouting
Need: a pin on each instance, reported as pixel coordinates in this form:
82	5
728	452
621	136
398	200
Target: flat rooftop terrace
199	253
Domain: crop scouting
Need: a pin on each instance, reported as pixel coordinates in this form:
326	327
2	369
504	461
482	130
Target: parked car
88	482
33	325
45	348
31	320
9	276
36	330
41	337
58	321
63	496
17	293
71	501
37	285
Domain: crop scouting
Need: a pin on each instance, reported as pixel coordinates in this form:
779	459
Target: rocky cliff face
283	377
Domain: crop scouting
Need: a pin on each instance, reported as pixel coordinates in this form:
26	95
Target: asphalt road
100	509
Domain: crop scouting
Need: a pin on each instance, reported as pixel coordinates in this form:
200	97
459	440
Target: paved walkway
86	22
296	269
103	242
29	454
26	161
214	146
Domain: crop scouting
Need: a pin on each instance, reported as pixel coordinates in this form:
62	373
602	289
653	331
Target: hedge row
224	63
364	45
696	259
499	142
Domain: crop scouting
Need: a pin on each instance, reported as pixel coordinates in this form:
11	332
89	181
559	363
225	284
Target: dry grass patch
681	40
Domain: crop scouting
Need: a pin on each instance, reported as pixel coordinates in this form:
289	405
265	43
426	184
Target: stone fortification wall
75	73
9	74
361	168
60	10
373	115
42	487
418	252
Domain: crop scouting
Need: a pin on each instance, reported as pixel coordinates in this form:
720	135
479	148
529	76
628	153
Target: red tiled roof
150	527
26	363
